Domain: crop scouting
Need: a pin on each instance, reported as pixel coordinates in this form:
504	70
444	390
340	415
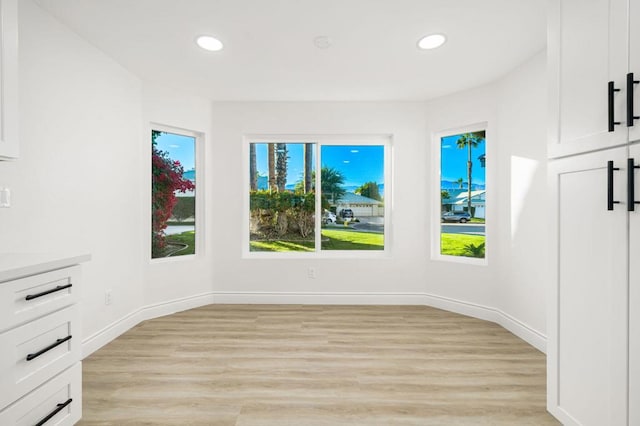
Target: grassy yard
188	238
281	246
332	239
454	244
344	239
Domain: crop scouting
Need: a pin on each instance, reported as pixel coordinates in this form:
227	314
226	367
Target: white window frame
200	191
436	201
384	140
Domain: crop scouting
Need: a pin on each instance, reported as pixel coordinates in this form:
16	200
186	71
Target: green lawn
188	238
332	239
345	239
454	244
281	246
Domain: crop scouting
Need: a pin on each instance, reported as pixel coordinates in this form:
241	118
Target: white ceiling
269	52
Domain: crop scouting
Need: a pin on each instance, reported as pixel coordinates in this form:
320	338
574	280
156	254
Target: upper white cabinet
588	58
8	79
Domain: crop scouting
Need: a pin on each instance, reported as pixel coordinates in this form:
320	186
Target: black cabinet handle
44	293
631	190
612	120
58	408
610	170
48	348
630	88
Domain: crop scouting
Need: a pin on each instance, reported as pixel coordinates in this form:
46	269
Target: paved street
178	229
463	228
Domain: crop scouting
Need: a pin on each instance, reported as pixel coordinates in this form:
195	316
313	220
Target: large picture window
173	197
463	194
288	214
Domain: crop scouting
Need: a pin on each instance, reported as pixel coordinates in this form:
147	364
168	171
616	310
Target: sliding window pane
352	194
282	197
173	200
462	191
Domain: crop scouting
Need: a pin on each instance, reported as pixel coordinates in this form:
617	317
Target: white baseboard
318	298
107	334
115	329
515	326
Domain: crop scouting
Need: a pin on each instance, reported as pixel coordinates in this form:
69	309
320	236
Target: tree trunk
308	159
469	165
271	155
281	166
253	170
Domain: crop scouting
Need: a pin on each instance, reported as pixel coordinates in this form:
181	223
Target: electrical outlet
108	297
5	197
312	273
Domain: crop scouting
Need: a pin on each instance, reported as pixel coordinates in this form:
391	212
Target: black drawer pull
58	408
44	293
630	116
610	170
48	348
611	108
631	187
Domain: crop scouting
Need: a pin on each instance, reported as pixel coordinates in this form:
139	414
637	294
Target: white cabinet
593	46
8	79
593	324
40	337
634	297
588	310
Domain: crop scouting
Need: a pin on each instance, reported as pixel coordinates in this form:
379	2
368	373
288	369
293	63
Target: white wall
184	278
513	282
276	280
523	204
458	281
76	185
81	185
509	289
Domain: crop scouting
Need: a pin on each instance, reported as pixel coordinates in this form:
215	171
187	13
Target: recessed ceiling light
431	41
322	42
209	43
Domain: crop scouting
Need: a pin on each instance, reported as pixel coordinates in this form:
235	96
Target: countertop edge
18	265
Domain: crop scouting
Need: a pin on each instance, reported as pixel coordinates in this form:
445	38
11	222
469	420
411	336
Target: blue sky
179	147
357	163
454	161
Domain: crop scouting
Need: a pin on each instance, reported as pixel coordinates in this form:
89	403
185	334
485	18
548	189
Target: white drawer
24	299
36	351
56	403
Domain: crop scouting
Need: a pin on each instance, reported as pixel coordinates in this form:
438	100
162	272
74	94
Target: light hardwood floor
250	365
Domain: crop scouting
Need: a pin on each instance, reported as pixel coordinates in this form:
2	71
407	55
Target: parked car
461	217
346	213
328	217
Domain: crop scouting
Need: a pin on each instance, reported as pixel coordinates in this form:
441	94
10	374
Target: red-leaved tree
166	180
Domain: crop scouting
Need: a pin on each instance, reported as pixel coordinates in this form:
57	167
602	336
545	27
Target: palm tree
271	157
460	182
253	169
281	166
469	141
331	181
308	176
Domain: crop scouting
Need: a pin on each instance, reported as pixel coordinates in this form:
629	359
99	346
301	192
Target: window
352	184
288	214
282	196
173	197
462	194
